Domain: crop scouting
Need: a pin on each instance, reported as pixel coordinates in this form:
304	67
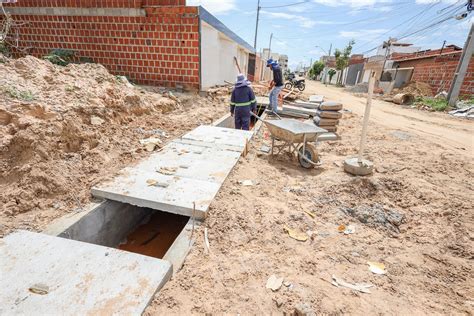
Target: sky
305	29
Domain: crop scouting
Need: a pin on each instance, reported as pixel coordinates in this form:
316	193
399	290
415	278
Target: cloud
214	6
435	1
302	21
362	35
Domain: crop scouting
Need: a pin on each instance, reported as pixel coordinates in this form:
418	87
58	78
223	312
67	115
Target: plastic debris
376	267
349	230
297	234
265	149
274	283
39	288
360	287
341	228
246	183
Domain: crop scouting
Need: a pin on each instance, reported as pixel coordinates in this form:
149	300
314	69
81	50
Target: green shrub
435	104
61	57
13	92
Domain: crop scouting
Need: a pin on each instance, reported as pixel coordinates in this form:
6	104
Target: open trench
132	240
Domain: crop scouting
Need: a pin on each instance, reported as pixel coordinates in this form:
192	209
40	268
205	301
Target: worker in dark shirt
242	102
276	85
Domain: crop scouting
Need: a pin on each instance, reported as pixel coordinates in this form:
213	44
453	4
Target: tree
331	74
342	59
316	69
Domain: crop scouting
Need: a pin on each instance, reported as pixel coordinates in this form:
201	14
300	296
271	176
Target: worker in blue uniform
275	85
242	102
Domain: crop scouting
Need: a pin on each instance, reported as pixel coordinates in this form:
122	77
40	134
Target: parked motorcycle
297	83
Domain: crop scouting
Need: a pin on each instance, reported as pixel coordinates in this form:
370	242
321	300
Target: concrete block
81	278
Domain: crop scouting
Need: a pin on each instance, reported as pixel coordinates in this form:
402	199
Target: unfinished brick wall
97	3
160	47
439	71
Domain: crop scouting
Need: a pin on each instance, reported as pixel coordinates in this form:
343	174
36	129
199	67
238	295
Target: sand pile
418	89
63	129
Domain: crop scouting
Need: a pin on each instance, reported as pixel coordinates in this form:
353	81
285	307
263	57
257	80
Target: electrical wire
285	5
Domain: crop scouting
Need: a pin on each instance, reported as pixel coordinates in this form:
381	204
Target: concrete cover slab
219	135
199	162
316	98
81	278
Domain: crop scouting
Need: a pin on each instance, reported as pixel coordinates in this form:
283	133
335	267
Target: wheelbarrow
297	137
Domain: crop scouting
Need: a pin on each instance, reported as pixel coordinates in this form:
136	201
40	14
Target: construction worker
276	85
242	102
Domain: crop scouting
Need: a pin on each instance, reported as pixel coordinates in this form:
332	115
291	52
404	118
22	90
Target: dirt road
414	214
449	132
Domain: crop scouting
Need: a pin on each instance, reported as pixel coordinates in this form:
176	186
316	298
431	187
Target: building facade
154	42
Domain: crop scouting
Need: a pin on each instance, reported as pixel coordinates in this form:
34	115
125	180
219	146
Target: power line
286	5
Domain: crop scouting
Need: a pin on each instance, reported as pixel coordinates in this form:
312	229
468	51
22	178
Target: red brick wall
97	3
161	48
439	71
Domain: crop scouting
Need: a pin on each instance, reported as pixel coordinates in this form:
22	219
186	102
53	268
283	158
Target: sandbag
330	106
325	121
329	114
330	128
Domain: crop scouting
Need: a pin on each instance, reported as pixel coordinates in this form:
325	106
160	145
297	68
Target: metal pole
326	72
366	115
256	25
270	45
461	69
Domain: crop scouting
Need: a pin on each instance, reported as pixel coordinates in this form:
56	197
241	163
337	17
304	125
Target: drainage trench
131	228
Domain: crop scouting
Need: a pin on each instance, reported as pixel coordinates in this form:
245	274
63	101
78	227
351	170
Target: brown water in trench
156	236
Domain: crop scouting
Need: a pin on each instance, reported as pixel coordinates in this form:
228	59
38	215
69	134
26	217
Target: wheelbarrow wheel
310	153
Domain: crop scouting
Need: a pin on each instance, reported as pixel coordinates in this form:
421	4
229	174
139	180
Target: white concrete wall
210	47
217	58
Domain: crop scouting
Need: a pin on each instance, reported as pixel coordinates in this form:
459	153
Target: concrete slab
81	278
201	160
219	136
316	98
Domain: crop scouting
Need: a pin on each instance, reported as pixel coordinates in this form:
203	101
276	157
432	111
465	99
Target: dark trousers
242	118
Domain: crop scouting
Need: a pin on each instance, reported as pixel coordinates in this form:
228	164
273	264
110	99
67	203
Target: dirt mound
63	129
418	89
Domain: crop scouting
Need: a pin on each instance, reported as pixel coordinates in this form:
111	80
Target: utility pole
461	69
270	45
256	25
326	72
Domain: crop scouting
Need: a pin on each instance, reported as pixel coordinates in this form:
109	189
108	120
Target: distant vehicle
294	82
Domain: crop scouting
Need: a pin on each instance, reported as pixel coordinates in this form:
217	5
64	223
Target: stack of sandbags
328	115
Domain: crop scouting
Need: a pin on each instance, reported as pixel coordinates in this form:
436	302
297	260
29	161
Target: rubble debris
359	88
376	216
417	89
169	171
467	112
404	98
360	287
304	309
274	283
376	267
95	120
151	143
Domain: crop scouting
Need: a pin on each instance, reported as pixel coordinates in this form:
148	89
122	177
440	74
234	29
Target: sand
64	129
428	257
414	214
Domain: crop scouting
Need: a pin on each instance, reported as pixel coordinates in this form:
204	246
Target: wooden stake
366	115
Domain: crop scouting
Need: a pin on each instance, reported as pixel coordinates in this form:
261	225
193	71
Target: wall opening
127	227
